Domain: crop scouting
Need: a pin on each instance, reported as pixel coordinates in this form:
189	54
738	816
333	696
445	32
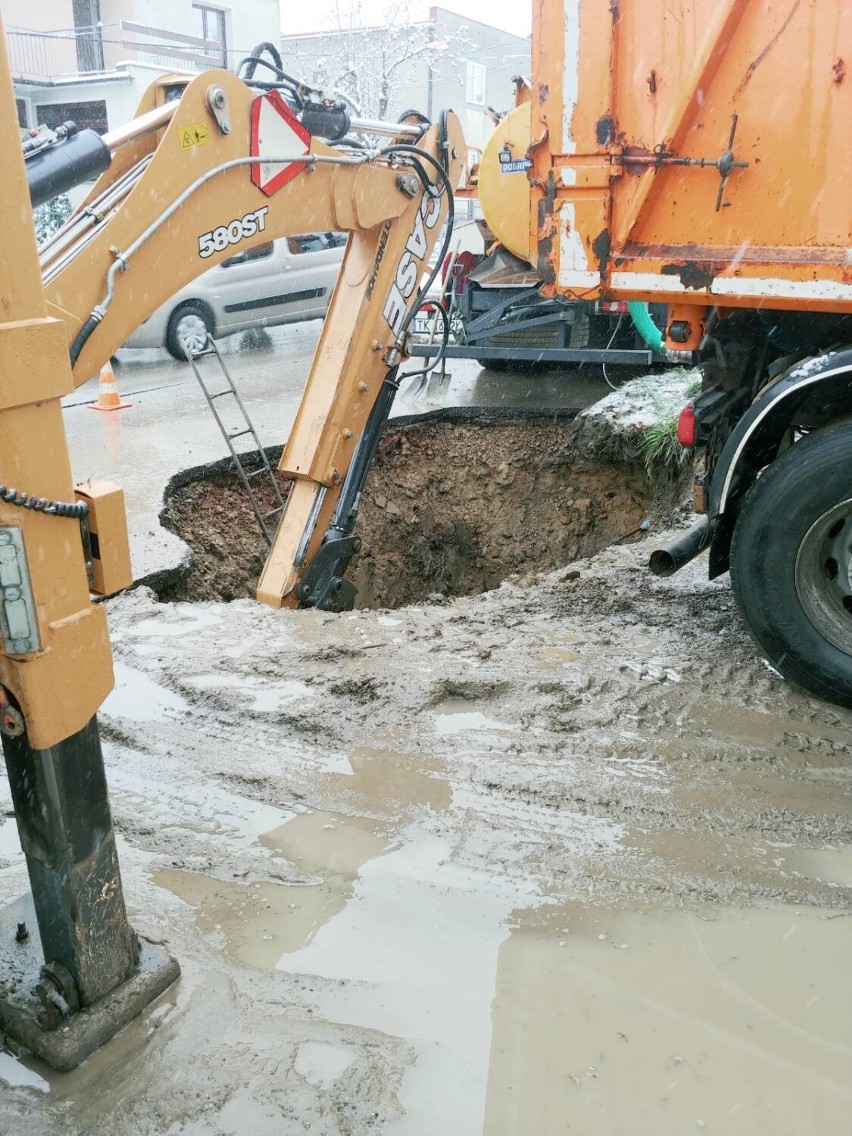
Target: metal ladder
247	473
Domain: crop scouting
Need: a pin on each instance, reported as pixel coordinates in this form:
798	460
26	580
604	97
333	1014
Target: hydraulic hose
82	337
643	323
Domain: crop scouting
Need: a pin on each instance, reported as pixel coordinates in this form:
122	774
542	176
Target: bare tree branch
369	67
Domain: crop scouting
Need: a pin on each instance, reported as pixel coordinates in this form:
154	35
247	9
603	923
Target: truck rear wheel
499	366
791	563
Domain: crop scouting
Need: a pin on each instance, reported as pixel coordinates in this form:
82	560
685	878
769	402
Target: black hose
283	79
289	83
421	118
256	57
414	154
444	138
445	339
409	151
82	337
76	510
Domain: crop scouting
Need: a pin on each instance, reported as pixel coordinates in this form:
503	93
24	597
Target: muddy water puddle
10	842
754	727
553	658
264	698
725	1020
321	1063
760	859
561	651
328	842
260	921
456	716
831	865
736	856
16	1074
386	780
527	1017
139	699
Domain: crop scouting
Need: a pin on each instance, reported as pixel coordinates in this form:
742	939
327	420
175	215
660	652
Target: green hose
644	324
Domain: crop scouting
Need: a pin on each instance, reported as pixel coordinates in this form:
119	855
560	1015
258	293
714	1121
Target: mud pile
455	503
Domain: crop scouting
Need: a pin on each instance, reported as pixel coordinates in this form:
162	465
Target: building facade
91	60
445	62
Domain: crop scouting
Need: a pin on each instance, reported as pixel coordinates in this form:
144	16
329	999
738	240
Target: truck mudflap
822	385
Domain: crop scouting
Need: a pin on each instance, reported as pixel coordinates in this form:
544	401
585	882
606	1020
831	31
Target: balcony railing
44	56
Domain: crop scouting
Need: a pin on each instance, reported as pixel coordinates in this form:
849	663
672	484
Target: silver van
282	281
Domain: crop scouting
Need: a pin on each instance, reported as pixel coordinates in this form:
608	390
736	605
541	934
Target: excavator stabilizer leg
71	971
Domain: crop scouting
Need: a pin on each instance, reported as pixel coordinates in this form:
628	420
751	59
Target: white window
476	83
210	26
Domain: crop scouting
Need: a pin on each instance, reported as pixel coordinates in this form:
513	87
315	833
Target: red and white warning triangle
275	131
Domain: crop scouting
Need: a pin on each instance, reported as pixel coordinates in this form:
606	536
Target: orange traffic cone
108	396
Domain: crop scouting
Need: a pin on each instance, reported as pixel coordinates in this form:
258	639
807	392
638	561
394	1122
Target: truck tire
581	330
189	326
499	366
791	563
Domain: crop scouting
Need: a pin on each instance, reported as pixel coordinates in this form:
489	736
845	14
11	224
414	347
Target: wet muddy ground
563	856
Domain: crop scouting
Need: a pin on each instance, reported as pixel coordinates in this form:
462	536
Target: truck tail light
614	307
686	425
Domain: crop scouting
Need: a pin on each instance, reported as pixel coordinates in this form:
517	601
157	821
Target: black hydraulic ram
331	121
73	157
323	584
57	160
675	554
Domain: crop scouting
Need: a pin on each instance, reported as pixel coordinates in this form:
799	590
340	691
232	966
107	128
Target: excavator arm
206	169
226	167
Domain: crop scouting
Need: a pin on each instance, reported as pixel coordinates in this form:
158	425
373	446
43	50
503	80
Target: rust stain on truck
649	169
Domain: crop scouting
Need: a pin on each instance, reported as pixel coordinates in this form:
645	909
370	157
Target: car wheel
791	563
187	331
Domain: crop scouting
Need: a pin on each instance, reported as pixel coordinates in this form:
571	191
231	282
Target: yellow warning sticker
195	135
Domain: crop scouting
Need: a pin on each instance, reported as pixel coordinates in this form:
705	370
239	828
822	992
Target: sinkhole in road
455	502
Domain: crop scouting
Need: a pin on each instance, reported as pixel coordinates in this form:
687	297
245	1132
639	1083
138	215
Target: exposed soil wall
455	502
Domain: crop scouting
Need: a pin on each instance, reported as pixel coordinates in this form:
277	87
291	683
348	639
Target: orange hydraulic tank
692	151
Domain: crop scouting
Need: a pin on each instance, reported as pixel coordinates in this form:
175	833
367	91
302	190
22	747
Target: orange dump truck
699	153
